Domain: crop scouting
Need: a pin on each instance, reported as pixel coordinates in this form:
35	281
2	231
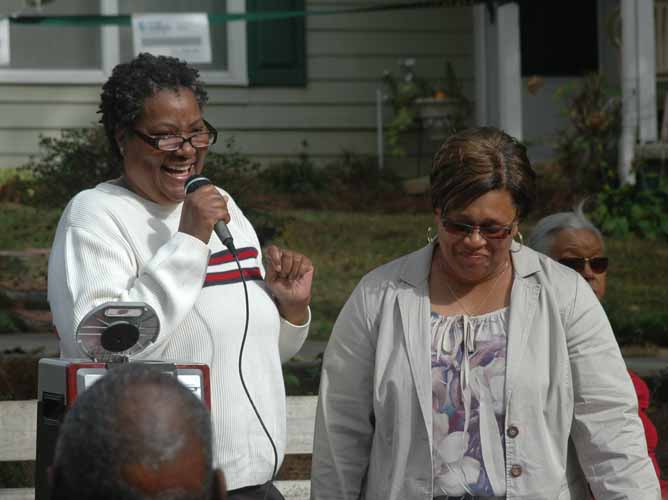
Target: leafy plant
587	155
233	171
358	183
639	328
350	182
404	90
302	378
298	177
632	209
77	160
586	149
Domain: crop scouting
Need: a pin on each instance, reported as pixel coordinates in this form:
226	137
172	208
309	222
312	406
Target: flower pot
437	115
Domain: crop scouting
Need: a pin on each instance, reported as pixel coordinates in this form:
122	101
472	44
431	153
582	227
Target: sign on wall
185	36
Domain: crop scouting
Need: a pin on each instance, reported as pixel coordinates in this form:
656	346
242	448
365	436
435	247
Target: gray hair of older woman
545	230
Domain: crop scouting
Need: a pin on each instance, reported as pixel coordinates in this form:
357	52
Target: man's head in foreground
136	434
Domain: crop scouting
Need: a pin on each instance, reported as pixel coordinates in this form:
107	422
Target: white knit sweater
114	245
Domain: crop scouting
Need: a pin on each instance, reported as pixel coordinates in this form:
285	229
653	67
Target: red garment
651	436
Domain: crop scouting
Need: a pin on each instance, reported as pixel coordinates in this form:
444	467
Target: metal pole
379	129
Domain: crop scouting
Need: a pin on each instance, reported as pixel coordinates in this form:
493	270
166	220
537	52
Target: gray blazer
565	378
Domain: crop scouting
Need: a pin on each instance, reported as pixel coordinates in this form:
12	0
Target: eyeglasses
490	232
170	143
598	264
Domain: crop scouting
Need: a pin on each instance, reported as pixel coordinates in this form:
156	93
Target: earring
121	149
430	237
520	239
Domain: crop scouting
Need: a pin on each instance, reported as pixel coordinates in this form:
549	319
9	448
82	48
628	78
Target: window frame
236	73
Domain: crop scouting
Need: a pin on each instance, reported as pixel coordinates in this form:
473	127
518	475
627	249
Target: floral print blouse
468	365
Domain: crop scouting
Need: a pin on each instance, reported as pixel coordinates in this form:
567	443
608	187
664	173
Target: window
277	49
87	54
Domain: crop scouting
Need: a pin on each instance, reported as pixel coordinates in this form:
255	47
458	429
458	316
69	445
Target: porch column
638	82
647	71
481	66
509	69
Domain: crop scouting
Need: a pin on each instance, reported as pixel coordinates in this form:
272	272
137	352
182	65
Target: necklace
489	293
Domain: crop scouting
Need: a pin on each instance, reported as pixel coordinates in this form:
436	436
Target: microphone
193	183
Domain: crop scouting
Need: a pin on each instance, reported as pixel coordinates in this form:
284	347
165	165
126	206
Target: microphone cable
193	183
241	374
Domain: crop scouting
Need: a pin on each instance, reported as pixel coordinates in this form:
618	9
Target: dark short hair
130	84
100	434
475	161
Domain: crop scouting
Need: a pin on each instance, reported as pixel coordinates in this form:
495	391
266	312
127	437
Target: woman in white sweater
139	238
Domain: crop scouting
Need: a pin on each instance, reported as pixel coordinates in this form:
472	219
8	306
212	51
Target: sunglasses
598	264
492	231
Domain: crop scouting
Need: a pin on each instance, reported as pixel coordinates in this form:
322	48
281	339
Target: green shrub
18	189
362	171
350	182
295	177
358	183
640	328
233	172
302	378
16	185
631	209
77	160
9	323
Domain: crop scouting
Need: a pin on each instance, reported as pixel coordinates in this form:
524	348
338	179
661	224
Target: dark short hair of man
136	434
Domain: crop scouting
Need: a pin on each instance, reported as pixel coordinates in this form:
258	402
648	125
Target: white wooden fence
18	431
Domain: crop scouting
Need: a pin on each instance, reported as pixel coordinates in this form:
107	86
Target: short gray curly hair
545	230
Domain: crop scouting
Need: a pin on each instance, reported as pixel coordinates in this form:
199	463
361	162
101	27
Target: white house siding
346	56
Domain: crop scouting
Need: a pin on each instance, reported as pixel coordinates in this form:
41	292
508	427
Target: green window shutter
276	49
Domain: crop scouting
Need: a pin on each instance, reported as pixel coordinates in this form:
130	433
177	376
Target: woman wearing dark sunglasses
462	370
572	239
140	238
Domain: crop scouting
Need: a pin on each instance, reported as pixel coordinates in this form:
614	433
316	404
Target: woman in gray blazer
462	369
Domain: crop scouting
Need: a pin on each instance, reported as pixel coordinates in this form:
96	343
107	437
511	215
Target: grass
636	278
346	245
